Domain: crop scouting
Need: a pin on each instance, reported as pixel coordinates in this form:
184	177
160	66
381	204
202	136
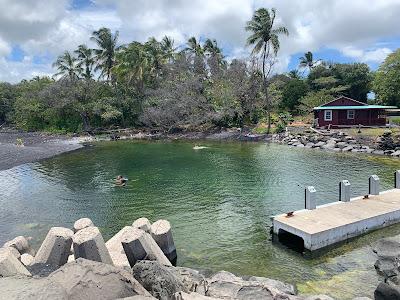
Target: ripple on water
219	201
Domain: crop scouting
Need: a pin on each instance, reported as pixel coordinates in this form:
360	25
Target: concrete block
310	198
89	244
116	250
344	191
20	243
55	247
397	179
27	259
82	223
142	223
139	245
374	185
10	265
14	251
162	234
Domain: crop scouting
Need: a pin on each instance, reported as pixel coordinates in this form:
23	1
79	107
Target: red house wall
366	117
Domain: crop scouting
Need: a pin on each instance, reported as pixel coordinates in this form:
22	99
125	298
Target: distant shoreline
17	148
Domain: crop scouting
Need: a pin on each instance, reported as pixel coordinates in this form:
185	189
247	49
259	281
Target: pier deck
338	221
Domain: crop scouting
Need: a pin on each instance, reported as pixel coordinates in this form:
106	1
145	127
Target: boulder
138	297
142	223
310	145
319	144
21	288
55	247
228	286
341	145
300	145
396	153
10	265
191	296
20	243
85	279
279	285
89	244
385	291
378	152
362	298
27	259
116	250
319	297
348	148
162	234
161	281
82	223
139	245
164	281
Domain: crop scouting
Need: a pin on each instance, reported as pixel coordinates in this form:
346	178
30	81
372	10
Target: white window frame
348	114
326	115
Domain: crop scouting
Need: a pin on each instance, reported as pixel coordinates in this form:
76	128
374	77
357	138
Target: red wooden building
347	112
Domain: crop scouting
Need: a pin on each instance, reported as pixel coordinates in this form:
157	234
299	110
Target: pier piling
374	185
310	198
344	191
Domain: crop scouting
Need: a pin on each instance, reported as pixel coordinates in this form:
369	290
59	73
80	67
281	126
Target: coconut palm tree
194	47
264	38
67	66
168	49
307	61
105	53
86	60
211	47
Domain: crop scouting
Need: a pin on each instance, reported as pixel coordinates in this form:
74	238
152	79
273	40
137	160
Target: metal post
344	191
397	179
374	185
310	198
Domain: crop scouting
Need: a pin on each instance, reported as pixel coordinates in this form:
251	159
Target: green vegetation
160	86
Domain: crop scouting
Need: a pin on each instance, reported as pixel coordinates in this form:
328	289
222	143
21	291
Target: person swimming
120	181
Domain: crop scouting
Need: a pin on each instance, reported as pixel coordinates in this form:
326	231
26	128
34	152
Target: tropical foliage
163	86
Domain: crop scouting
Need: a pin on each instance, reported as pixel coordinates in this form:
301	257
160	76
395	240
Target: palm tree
294	74
67	66
307	61
85	60
134	63
168	49
211	47
105	54
265	39
194	47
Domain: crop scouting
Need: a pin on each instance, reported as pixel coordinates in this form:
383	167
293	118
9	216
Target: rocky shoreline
339	142
137	263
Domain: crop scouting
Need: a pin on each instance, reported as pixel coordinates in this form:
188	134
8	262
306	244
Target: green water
219	201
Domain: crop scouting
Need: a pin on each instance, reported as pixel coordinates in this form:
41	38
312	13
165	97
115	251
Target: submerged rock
385	291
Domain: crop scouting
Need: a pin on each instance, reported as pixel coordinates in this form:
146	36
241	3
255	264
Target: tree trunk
85	121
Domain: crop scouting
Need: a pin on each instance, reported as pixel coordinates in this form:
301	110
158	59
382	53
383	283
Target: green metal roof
355	107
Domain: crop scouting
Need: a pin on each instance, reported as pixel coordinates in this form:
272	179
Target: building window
350	114
327	115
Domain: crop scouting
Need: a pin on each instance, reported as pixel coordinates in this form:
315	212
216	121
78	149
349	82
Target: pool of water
219	201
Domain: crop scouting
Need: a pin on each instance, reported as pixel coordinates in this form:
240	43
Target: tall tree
307	62
387	80
194	47
67	66
265	39
105	53
168	48
86	60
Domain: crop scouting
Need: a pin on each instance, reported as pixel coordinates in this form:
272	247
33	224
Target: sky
34	32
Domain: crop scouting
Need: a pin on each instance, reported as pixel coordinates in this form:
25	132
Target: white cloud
5	48
368	55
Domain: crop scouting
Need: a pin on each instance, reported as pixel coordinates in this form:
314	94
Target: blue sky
34	33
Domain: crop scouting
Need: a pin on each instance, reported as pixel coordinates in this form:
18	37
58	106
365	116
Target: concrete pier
338	221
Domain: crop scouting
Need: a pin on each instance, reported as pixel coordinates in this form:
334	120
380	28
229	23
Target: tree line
161	86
